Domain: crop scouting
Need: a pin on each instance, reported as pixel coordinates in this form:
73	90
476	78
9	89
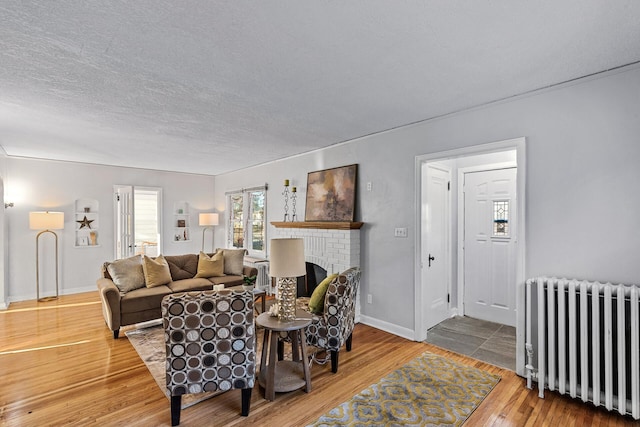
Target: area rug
428	391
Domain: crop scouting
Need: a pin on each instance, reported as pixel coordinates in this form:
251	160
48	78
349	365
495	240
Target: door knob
431	258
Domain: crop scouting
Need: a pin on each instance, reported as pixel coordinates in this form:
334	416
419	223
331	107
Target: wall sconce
46	221
287	263
208	221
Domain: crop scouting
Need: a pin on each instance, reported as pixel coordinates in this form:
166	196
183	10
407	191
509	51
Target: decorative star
85	222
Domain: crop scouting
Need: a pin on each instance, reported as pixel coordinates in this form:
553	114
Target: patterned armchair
210	344
334	327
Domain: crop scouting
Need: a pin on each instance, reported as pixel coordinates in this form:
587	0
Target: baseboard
388	327
68	291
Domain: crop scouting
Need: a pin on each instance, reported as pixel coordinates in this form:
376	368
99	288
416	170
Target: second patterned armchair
334	327
210	344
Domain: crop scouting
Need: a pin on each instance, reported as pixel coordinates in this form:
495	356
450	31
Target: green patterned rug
428	391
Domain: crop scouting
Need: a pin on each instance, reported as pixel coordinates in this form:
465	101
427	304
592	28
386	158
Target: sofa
131	289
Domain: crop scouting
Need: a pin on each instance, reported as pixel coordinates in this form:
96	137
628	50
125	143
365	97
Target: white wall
583	204
41	185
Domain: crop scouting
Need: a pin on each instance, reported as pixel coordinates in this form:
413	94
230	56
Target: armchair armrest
110	297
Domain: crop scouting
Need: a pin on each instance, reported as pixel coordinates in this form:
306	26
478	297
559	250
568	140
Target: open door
123	205
435	243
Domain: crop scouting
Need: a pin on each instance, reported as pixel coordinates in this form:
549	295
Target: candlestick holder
285	193
294	196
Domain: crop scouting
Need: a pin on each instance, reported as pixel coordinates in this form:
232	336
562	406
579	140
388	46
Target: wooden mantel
342	225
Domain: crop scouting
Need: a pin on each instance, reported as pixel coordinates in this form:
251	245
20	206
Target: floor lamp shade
208	219
286	263
46	221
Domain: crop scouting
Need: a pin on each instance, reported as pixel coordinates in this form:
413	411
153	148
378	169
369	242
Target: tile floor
490	342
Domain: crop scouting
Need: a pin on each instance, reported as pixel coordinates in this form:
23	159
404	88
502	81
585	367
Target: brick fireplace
334	246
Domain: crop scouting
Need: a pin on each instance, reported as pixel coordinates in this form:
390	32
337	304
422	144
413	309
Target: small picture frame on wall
83	241
181	223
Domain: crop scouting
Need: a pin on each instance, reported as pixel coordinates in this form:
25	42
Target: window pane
501	218
237	220
146	222
257	220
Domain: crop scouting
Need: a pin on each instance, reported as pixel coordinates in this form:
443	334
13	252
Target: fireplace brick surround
334	246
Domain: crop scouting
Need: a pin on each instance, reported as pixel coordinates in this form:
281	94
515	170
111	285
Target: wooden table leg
305	363
269	392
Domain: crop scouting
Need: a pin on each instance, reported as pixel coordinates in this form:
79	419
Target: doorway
138	221
501	155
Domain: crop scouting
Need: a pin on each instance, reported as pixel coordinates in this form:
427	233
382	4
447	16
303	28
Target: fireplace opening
307	284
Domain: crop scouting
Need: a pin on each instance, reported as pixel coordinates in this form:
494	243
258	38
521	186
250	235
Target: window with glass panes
247	216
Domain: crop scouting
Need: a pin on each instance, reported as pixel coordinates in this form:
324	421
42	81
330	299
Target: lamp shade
287	258
207	219
46	220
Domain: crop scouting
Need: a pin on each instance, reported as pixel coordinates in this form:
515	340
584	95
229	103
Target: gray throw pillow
233	261
127	274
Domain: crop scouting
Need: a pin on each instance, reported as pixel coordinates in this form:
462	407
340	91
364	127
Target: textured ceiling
213	86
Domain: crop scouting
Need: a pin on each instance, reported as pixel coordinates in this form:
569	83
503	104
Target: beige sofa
126	301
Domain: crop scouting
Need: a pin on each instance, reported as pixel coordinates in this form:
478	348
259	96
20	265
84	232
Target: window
247	216
501	218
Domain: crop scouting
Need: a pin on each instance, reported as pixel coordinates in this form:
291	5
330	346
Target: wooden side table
284	375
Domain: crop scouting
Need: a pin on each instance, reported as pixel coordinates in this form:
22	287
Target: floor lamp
208	221
286	262
46	221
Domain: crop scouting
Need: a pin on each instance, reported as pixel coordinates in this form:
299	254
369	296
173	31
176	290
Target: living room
581	176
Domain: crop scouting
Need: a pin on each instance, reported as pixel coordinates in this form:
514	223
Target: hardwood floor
60	365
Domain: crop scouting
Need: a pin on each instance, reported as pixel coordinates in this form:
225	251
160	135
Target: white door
124	221
435	244
489	245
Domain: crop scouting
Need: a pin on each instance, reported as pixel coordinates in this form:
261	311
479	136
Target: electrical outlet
369	186
400	232
369	298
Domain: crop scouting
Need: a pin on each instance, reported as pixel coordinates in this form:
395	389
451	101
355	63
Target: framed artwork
331	194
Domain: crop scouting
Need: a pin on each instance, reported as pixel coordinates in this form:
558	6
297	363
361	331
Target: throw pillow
233	261
127	273
316	302
156	271
210	266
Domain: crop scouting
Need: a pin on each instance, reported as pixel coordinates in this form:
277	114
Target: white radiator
587	336
263	281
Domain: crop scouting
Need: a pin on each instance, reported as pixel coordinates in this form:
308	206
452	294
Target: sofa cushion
210	266
127	273
143	299
156	271
316	302
188	285
233	260
182	266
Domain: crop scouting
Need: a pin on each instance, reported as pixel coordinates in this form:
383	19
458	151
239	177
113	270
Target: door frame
519	145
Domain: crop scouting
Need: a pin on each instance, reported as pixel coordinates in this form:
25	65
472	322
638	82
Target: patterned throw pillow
156	271
210	266
233	261
127	273
316	302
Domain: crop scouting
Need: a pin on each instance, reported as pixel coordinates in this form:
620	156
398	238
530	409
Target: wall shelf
181	222
87	223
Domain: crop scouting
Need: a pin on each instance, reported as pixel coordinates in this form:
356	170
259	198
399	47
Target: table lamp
287	263
208	221
46	221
